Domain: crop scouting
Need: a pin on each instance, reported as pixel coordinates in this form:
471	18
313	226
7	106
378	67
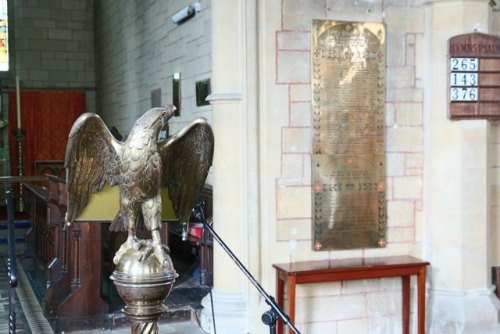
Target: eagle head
156	118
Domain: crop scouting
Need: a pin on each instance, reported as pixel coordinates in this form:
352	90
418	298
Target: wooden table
295	273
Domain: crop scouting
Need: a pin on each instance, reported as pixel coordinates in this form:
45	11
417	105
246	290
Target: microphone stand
270	317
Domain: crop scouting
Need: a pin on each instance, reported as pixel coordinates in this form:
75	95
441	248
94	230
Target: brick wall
139	48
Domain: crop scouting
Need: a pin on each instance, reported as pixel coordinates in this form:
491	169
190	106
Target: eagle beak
168	114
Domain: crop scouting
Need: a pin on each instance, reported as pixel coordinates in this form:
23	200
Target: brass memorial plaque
348	162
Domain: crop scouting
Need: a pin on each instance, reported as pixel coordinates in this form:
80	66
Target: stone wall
371	306
139	48
494	151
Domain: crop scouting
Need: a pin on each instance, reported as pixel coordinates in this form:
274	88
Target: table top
351	264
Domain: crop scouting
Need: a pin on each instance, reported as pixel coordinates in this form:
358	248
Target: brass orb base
144	285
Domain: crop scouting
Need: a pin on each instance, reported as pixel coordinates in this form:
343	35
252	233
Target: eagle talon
149	248
160	251
146	253
131	243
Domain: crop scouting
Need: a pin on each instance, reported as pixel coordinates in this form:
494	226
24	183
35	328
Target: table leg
421	279
291	281
406	304
280	292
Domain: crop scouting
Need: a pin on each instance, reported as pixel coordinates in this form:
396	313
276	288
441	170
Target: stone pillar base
463	312
230	313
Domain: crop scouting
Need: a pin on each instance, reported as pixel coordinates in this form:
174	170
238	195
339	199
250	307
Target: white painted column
235	174
456	185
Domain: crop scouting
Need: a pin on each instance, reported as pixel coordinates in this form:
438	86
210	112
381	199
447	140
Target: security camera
184	14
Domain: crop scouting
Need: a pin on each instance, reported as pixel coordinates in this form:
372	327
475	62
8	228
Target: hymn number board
474	76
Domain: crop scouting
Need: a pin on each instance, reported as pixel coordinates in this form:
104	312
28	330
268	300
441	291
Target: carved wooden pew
72	257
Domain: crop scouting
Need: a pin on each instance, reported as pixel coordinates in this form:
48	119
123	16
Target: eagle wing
186	159
92	159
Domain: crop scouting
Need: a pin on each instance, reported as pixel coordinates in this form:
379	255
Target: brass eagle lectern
139	166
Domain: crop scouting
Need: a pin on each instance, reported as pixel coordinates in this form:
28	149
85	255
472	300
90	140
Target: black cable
277	311
213	312
206	255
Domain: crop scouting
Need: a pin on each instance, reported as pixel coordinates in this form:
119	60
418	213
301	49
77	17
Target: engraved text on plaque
348	162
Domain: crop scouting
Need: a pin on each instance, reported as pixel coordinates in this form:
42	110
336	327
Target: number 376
463	94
